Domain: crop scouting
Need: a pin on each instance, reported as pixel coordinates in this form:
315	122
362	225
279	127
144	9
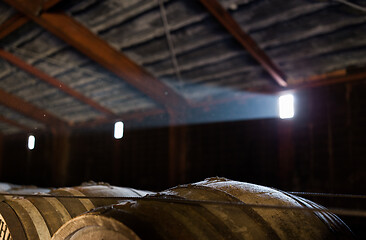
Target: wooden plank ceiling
84	63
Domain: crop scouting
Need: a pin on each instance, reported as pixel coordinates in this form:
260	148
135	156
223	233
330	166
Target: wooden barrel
303	224
156	220
38	217
162	217
5	187
91	226
20	189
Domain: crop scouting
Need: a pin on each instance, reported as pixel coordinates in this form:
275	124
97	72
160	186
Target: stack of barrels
216	208
39	217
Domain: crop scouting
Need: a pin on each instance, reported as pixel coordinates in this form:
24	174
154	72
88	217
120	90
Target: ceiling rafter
336	77
14	124
131	116
30	110
331	78
53	81
18	19
12	24
33	7
49	4
100	51
231	25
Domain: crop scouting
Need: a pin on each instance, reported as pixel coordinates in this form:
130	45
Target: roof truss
12	24
228	22
30	110
85	41
14	123
342	76
19	19
54	82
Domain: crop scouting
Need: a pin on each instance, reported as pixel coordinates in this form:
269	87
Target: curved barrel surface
167	216
39	217
286	223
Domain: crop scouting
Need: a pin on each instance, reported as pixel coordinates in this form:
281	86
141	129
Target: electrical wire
170	42
163	198
352	5
330	195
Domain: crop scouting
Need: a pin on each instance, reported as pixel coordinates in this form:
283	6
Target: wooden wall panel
139	159
23	166
1	153
326	142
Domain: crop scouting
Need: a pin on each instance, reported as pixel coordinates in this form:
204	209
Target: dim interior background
195	101
320	150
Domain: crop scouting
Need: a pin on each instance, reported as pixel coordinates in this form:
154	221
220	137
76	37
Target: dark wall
21	166
321	149
329	139
138	160
245	151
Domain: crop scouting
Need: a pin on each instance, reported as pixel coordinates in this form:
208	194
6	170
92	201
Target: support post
330	137
117	161
178	147
1	154
285	153
60	155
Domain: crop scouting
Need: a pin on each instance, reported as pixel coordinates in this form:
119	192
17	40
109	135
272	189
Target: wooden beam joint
81	38
33	7
18	19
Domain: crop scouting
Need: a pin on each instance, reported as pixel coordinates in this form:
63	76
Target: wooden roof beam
326	79
49	4
230	24
30	110
33	7
132	116
100	51
54	82
95	48
14	124
336	77
18	19
12	24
